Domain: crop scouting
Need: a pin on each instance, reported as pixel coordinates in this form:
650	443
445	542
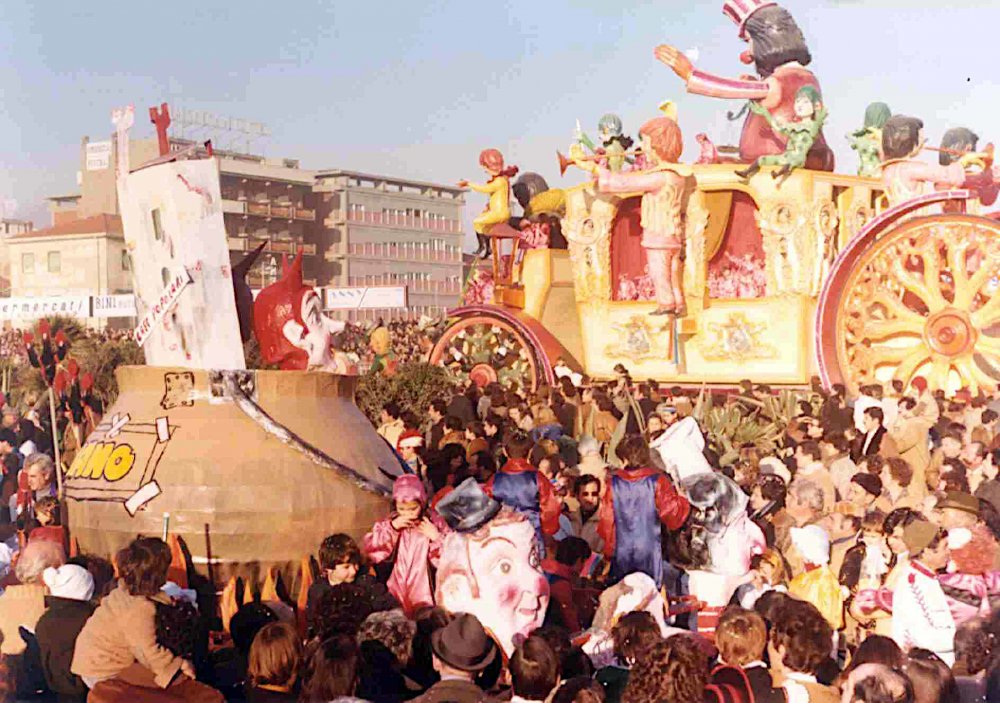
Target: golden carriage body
850	290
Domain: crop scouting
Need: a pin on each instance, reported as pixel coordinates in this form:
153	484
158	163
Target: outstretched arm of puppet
549	505
628	182
606	521
758	109
380	543
672	507
490	187
702	83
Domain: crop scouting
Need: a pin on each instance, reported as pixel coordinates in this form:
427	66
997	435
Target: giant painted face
495	574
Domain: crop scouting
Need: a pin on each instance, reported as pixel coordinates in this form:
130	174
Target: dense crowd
398	341
855	558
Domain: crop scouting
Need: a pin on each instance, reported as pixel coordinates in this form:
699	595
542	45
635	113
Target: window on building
126	260
27	263
55	262
157	225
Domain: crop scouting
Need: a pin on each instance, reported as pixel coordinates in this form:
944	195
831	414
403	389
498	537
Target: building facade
82	257
354	229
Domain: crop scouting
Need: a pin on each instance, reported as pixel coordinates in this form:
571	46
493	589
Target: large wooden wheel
924	299
486	348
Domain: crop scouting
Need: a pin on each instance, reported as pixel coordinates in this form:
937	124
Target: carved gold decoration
641	339
587	227
737	339
825	244
925	300
695	266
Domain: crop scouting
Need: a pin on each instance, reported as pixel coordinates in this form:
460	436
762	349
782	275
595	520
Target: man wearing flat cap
461	650
920	613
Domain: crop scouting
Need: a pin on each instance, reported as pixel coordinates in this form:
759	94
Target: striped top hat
739	11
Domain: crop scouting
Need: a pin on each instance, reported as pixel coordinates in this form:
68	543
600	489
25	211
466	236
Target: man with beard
586	517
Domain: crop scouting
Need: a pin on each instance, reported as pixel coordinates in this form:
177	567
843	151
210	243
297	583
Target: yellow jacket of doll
821	588
498	209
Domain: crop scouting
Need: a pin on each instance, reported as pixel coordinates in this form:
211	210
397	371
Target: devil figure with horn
291	328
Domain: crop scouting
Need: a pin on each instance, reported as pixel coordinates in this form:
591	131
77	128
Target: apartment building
354	229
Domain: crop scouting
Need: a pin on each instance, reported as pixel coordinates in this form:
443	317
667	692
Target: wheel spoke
908	366
966	291
988	314
882	355
988	344
957	251
895	307
932	299
973	376
940	366
881	329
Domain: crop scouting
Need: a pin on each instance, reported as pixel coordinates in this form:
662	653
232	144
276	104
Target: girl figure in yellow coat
497	210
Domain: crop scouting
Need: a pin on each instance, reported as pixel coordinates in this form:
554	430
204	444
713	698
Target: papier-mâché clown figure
778	51
490	566
497	210
291	328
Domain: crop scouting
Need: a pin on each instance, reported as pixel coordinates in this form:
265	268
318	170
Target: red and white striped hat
739	11
411	439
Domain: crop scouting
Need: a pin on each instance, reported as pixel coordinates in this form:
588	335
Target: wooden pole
55	444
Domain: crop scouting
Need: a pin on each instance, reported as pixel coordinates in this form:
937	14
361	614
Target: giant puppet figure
663	188
778	51
490	566
292	329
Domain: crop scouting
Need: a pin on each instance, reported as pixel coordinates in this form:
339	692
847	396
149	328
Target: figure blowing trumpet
578	157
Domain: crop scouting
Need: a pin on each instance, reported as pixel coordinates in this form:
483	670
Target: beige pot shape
254	468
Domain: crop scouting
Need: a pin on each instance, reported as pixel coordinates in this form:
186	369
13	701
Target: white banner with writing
365	298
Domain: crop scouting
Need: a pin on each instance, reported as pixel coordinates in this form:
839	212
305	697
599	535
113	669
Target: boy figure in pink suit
413	537
663	187
903	175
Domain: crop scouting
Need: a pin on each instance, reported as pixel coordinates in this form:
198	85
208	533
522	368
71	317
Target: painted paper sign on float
172	216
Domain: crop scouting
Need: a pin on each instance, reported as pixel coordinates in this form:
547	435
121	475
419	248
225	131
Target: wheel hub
950	332
483	375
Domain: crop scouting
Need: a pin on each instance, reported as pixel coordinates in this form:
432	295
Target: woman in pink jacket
411	538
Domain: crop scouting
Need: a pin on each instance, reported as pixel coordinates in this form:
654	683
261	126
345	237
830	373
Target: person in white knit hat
68	607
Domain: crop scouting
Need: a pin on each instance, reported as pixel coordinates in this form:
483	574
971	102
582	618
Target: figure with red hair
497	210
664	187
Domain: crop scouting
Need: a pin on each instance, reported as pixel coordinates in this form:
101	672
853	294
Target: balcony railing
283	211
439	287
402	252
388	219
272	246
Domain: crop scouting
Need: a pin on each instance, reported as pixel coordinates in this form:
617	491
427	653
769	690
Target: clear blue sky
416	89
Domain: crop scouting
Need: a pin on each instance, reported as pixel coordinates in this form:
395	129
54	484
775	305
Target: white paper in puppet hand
680	447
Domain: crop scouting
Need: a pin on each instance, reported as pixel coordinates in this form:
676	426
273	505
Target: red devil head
289	323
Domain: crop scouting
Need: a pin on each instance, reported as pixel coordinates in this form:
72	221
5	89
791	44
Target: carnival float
783	269
250	469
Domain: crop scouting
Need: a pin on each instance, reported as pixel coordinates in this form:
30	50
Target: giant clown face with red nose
292	330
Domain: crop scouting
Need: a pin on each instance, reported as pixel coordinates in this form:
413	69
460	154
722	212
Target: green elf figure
867	141
800	134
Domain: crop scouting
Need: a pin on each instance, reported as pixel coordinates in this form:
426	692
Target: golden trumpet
565	161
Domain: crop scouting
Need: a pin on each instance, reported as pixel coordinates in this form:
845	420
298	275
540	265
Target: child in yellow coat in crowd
817	584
